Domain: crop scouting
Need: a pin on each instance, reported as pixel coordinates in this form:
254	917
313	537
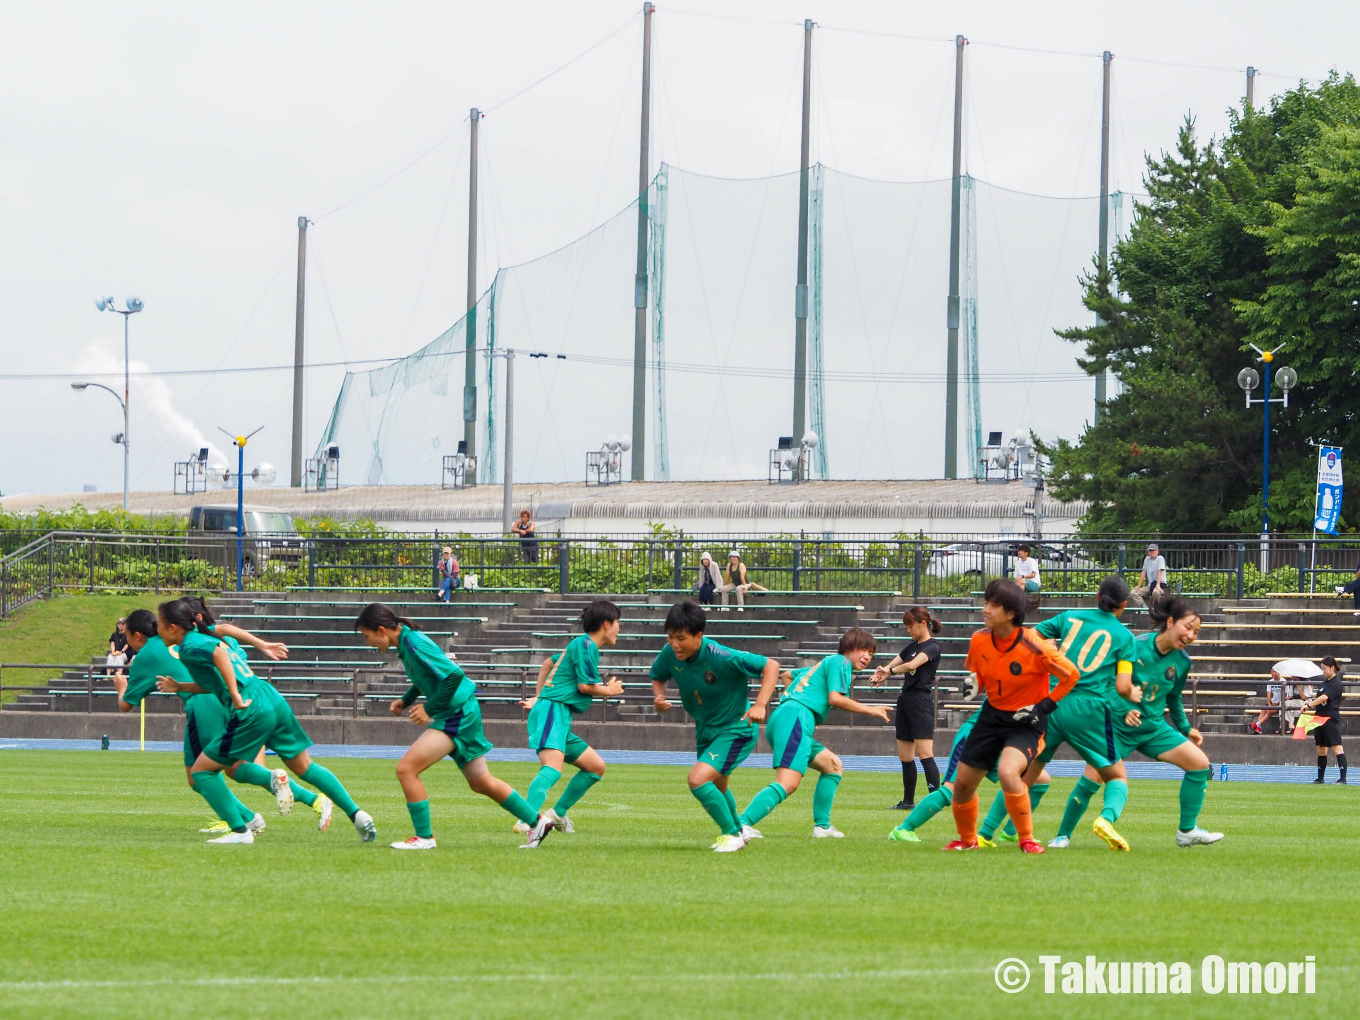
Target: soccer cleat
1197	837
538	832
1341	782
827	832
904	836
323	808
1031	846
1106	831
256	824
1318	781
959	844
368	832
520	828
750	832
984	843
1059	843
1006	837
415	843
282	791
234	837
729	844
903	805
563	823
217	826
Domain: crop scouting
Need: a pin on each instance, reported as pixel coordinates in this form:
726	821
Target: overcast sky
167	150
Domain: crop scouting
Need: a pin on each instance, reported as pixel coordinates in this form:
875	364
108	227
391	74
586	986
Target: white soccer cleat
563	823
282	791
830	832
234	837
323	808
729	845
1059	843
538	832
750	832
415	843
256	824
520	827
1197	837
368	832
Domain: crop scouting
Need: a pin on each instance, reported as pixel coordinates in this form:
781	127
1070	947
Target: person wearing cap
1152	579
1352	589
120	653
449	574
735	579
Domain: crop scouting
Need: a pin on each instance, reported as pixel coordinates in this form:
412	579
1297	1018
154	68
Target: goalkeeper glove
1035	715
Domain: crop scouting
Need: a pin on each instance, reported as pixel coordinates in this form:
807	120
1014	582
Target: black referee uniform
915	718
1328	735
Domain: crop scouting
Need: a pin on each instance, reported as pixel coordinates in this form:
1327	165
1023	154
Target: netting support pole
951	369
295	464
508	430
639	458
1105	59
800	294
470	324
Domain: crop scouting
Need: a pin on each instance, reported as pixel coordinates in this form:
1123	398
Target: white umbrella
1298	669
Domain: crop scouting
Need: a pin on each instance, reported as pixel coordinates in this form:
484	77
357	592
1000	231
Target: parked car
271	539
997	559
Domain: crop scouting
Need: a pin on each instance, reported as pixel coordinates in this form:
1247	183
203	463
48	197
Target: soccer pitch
114	905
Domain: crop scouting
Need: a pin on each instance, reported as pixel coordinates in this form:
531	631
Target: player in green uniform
260	717
714	683
566	689
1139	707
1101	647
809	694
452	718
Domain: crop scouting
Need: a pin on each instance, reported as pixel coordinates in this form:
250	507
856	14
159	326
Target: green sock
1116	796
823	796
931	805
576	789
243	810
762	804
519	807
420	818
210	786
542	783
716	805
1193	788
732	805
1076	806
324	780
1036	794
996	814
302	794
258	775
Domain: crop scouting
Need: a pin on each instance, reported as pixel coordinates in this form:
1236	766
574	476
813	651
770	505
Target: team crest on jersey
1171	673
1015	669
710	677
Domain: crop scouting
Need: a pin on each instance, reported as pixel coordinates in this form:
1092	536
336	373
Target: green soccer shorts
268	721
725	749
464	727
1085	725
204	719
1152	739
550	730
789	731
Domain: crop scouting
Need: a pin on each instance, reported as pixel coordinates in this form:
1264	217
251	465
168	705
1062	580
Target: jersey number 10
1089	659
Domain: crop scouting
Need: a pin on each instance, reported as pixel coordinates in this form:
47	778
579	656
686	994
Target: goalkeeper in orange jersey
1012	665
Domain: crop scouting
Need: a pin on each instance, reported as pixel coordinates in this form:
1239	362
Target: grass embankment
66	630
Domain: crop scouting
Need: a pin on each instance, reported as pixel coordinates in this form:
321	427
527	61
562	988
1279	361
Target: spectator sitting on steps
119	651
1352	589
1152	578
1287	690
710	579
1027	575
735	579
449	574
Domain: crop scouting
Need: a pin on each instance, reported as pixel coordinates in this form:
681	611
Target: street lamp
264	474
1248	379
118	437
131	307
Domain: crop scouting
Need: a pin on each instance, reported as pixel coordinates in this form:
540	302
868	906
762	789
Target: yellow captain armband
1123	667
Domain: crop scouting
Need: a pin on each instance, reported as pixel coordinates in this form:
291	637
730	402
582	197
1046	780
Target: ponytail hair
183	614
199	604
143	622
1326	660
1113	593
920	614
1163	612
378	616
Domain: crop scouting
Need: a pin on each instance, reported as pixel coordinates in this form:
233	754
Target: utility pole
470	322
951	365
507	493
800	294
639	460
295	467
1251	87
1106	57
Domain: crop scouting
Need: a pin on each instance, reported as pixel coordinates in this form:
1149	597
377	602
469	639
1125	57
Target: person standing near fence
1327	705
1353	589
915	719
524	530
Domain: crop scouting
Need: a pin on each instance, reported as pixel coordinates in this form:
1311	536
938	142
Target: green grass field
114	906
66	630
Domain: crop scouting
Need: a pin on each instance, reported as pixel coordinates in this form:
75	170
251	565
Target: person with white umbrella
1286	696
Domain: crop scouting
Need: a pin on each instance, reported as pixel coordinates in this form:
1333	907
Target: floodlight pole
470	322
127	394
295	465
951	369
508	433
639	459
800	294
1104	227
1251	87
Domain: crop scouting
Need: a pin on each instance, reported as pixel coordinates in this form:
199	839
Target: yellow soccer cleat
984	843
1105	831
217	826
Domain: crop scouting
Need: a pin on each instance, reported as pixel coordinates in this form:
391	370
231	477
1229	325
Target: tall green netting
969	339
816	359
489	468
656	268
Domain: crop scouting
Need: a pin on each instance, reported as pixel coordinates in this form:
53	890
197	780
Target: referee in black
1327	705
915	719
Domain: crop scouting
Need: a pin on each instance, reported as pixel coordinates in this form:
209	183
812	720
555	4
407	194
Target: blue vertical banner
1328	489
